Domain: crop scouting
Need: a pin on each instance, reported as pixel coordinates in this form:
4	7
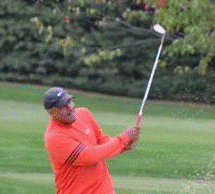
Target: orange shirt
77	153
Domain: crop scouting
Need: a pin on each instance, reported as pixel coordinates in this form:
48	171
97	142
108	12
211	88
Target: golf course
175	153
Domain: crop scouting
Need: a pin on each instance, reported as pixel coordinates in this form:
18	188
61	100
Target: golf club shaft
150	82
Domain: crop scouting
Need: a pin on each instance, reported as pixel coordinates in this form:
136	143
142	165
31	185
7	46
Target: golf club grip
138	121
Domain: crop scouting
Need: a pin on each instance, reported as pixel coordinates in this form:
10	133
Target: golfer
77	148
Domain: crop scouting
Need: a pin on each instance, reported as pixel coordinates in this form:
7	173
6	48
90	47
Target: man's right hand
133	133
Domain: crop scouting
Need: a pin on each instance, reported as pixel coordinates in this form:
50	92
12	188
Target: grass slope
177	140
43	183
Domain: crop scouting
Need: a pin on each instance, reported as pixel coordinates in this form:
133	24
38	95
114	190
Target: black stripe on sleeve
75	153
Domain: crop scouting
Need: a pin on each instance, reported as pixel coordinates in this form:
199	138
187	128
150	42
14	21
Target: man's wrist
124	138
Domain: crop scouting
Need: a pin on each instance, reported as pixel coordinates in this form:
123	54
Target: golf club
160	30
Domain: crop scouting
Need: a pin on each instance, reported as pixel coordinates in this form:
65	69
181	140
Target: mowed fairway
176	145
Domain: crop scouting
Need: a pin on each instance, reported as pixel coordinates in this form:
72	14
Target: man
77	148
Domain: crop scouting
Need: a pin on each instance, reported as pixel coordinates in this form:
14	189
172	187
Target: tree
109	45
194	22
89	23
190	22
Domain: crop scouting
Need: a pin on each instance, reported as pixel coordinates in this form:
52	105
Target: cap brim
65	100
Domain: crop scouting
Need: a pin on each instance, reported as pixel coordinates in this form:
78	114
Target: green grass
177	140
33	94
43	183
12	183
28	184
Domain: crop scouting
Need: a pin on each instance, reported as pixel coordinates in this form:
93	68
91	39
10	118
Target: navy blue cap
56	97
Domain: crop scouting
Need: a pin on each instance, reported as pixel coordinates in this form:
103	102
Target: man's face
65	114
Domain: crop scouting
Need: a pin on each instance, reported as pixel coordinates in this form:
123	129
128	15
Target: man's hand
133	134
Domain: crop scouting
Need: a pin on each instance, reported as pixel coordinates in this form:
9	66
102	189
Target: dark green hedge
186	88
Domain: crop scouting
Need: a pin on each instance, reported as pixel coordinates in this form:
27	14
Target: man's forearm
94	154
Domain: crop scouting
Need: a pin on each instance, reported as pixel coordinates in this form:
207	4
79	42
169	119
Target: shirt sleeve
94	154
63	149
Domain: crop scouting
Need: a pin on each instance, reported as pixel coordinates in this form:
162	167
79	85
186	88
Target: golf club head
159	29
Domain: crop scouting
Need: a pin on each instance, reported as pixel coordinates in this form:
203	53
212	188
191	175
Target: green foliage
109	46
178	17
7	7
134	16
198	40
194	20
179	48
102	57
185	13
